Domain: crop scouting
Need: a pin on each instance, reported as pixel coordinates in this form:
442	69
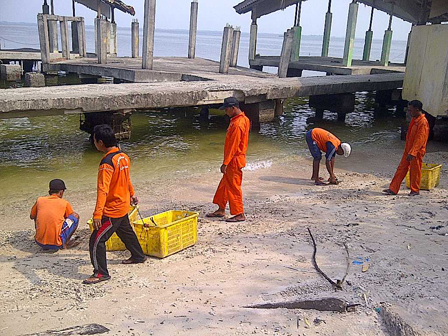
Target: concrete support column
235	47
53	36
75	40
95	32
113	39
65	41
135	31
253	40
226	47
350	34
327	33
193	29
108	37
368	40
82	37
387	43
101	41
297	33
285	56
148	34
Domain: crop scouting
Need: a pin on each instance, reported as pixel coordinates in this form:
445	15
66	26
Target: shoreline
203	290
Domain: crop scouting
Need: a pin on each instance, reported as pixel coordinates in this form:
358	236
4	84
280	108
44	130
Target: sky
215	14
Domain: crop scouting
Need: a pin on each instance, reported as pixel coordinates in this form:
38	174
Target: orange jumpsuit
416	139
235	148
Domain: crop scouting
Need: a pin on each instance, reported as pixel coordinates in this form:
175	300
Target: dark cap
57	184
230	102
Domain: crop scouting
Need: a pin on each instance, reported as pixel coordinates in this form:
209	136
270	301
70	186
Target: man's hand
223	168
96	223
409	158
134	200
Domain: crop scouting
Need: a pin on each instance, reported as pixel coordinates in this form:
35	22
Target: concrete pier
285	57
148	34
65	41
42	25
350	33
108	37
53	36
113	39
387	43
10	72
327	31
135	32
75	41
34	79
101	41
226	49
193	29
235	47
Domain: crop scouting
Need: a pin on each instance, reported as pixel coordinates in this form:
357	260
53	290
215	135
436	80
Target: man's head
104	137
232	106
415	108
344	149
57	187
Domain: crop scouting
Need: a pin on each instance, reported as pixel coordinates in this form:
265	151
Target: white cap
346	148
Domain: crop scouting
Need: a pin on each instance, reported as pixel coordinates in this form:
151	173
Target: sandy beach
204	289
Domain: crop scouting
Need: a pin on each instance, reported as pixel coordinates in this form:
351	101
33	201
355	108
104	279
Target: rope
21	43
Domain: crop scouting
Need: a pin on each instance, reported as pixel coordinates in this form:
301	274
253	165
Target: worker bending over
54	219
414	151
235	148
319	140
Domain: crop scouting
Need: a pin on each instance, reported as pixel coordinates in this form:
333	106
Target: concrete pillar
95	32
327	33
193	29
108	37
253	40
34	79
368	40
387	43
101	39
75	40
350	34
65	41
53	36
235	47
135	30
82	37
148	34
226	47
113	39
285	56
42	25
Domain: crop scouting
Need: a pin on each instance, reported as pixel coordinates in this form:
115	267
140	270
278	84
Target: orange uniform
50	213
235	148
321	137
114	185
416	140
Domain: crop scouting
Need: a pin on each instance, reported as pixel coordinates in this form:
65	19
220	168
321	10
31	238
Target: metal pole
52	7
45	8
73	8
329	6
299	13
391	17
98	2
112	10
371	18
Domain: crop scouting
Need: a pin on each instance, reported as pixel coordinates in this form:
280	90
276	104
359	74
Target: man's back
237	139
50	213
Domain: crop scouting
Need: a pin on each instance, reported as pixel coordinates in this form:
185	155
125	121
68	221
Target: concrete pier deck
196	85
330	65
21	54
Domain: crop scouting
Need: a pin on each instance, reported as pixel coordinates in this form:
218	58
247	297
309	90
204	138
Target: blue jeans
315	151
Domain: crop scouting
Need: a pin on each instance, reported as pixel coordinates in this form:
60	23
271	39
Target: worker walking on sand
319	140
114	197
54	219
414	151
235	148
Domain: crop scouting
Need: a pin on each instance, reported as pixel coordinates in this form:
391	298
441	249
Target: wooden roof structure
414	11
107	5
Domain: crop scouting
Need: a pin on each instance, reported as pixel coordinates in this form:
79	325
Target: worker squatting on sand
319	140
114	197
415	150
54	218
235	148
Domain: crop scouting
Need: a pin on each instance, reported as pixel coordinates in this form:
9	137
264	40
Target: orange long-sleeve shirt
237	139
417	136
321	137
114	189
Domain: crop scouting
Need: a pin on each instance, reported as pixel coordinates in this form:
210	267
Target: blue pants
315	151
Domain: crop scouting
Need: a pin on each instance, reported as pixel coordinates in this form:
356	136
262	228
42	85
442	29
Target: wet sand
204	289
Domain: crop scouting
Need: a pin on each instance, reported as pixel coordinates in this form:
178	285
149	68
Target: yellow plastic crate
430	176
167	233
114	243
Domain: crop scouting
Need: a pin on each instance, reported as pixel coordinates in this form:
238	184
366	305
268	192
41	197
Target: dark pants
97	245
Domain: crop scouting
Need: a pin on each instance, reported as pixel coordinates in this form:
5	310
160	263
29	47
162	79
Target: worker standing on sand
414	151
319	140
235	148
54	219
114	197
